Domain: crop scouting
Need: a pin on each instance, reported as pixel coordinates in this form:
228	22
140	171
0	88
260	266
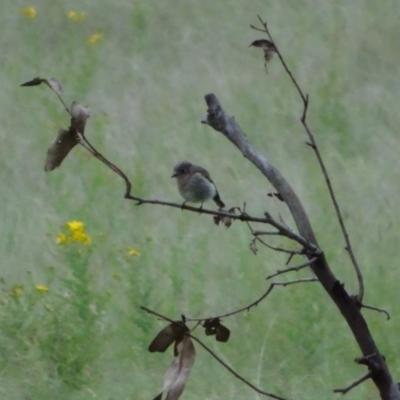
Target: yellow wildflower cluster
76	16
94	38
75	233
29	12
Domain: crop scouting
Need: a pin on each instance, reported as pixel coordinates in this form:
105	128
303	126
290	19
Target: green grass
144	82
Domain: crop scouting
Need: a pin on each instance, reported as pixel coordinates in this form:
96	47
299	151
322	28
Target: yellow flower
29	12
93	39
76	226
76	16
133	252
62	239
42	288
81	236
76	233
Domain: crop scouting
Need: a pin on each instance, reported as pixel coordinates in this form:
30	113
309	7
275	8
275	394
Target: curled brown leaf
63	143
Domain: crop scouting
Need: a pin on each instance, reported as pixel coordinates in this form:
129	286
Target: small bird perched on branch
195	185
268	47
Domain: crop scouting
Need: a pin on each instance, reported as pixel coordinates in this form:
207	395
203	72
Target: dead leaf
178	372
222	333
64	142
54	84
79	116
213	326
227	221
33	82
170	334
217	219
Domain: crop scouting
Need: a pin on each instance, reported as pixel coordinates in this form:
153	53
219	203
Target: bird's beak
173	176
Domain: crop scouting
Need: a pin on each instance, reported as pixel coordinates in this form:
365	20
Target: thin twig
63	103
282	250
246	308
314	146
289	233
354	384
256	302
271	233
289	259
233	372
381	310
304	280
296	268
88	146
279	249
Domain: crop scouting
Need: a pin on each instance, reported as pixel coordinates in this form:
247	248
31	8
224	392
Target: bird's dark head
181	169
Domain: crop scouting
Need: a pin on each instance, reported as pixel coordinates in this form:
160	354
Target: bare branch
282	250
234	373
354	384
381	310
86	144
296	268
270	233
289	233
218	119
304	280
256	302
314	146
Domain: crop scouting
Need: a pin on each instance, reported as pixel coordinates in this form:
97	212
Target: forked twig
354	384
291	253
314	146
256	302
296	268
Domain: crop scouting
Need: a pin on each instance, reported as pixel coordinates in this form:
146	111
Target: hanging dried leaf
178	372
170	334
79	116
54	84
253	247
217	219
227	221
33	82
213	326
64	142
222	333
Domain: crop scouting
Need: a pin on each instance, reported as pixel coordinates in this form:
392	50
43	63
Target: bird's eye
182	171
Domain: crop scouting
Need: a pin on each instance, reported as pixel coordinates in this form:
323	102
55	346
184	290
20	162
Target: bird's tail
218	201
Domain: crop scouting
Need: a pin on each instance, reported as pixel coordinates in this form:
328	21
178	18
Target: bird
268	47
195	185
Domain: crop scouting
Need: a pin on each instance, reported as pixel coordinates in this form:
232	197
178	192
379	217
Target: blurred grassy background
144	82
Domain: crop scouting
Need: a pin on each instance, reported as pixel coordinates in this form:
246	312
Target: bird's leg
200	208
183	204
